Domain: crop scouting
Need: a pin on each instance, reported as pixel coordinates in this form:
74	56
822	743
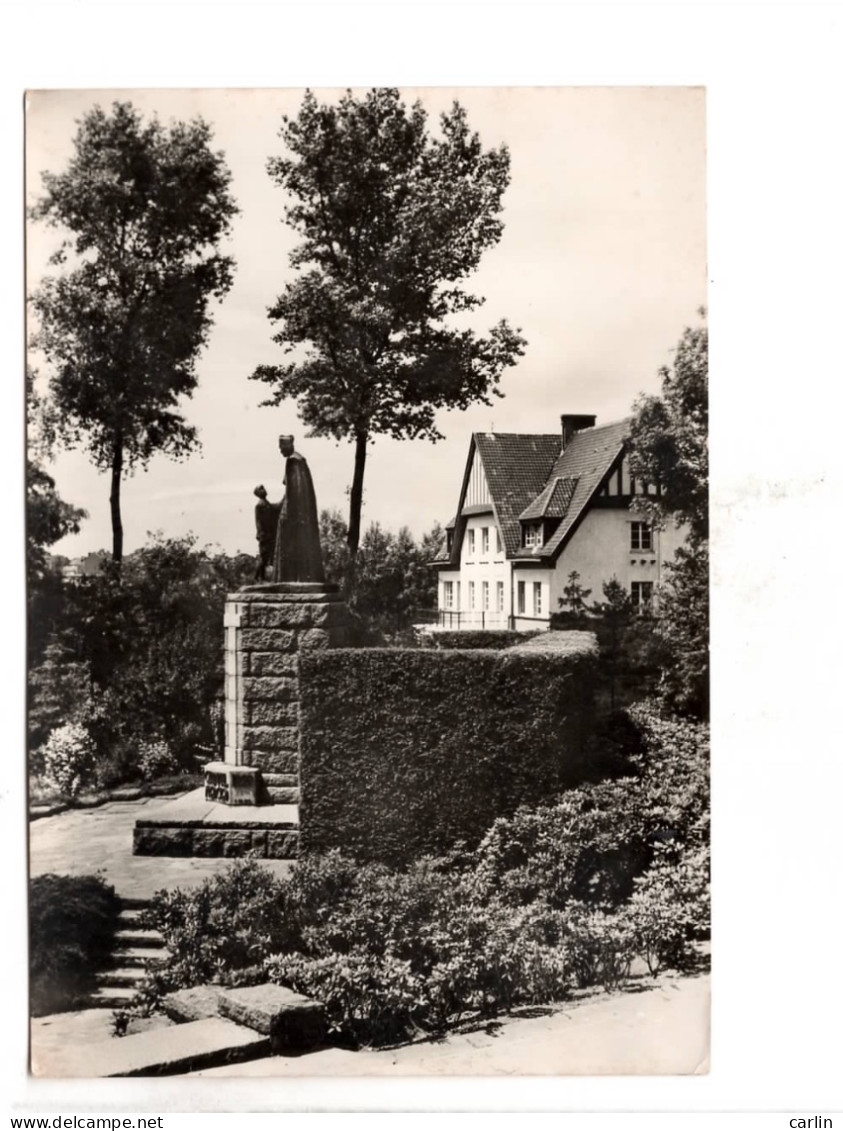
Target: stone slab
274	689
283	794
271	663
207	842
210	1042
278	589
282	592
153	842
262	712
272	762
193	810
194	1004
290	1019
269	738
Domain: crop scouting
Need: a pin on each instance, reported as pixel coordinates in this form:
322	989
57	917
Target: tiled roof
587	458
553	502
517	468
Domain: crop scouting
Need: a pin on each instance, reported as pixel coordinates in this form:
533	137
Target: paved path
83	841
662	1029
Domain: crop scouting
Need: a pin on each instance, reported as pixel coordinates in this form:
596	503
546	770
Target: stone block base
220	841
231	785
291	1021
194	1004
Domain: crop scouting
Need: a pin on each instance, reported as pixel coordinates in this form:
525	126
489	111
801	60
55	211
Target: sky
602	264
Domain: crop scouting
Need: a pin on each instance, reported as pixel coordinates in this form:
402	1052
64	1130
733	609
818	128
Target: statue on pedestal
266	528
298	552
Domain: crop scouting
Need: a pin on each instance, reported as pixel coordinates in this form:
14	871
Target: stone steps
164	1052
138	937
135	946
111	997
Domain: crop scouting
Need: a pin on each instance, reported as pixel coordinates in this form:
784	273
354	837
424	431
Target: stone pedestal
266	627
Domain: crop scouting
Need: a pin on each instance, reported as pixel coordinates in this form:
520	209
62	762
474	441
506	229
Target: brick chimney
574	422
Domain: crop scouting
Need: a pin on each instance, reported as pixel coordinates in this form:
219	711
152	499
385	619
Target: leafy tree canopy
391	219
145	207
48	519
668	441
669	445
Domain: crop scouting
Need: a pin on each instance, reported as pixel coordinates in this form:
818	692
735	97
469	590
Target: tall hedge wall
405	752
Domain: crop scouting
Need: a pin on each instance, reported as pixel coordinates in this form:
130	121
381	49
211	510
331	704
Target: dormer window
532	534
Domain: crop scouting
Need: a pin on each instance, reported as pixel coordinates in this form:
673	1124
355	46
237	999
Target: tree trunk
114	500
361	440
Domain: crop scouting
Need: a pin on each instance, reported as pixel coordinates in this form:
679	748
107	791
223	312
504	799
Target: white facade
483	588
480	588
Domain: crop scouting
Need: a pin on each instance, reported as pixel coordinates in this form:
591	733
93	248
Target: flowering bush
156	760
68	758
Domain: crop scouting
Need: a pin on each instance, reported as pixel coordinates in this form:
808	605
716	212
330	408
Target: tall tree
391	219
668	444
668	441
145	207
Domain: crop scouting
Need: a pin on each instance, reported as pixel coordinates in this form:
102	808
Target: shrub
669	909
227	924
593	843
155	760
68	758
72	920
600	944
136	655
400	951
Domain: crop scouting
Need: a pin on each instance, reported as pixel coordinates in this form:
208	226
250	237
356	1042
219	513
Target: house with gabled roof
535	508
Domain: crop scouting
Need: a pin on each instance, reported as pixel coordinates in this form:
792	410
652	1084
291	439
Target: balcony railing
471	619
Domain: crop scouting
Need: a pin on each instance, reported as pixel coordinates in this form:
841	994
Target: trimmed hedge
482	638
72	920
410	752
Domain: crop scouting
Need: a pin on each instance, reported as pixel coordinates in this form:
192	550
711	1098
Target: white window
642	595
471	541
533	534
498	537
484	540
522	597
471	594
486	596
641	536
537	598
449	594
500	597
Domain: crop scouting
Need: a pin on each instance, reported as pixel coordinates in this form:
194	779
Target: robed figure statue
298	553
